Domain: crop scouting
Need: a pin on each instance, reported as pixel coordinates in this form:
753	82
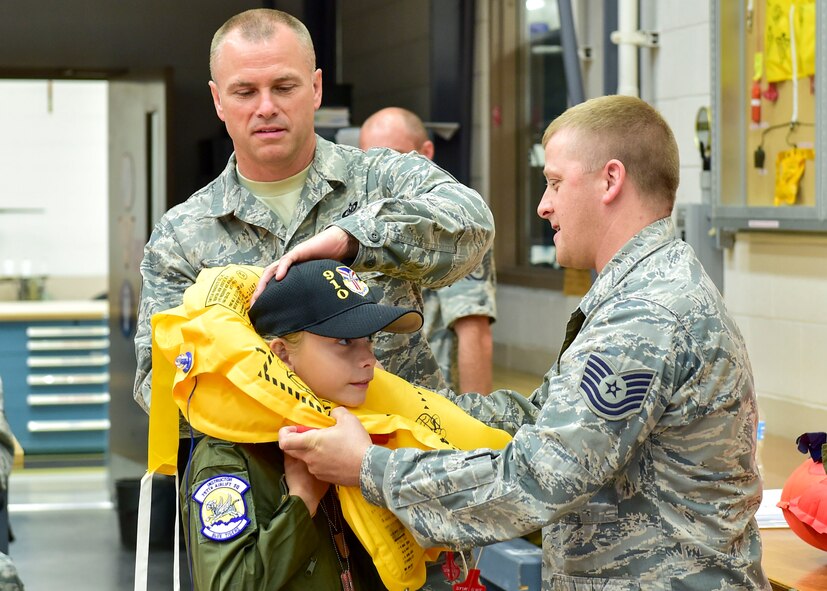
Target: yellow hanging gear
209	362
789	168
778	53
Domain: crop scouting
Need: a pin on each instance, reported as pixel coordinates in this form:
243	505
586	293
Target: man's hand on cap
330	243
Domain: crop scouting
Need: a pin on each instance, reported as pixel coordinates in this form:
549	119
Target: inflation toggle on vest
209	363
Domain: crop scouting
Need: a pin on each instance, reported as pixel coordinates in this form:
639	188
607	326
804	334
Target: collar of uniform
328	163
651	238
227	192
230	198
328	168
328	171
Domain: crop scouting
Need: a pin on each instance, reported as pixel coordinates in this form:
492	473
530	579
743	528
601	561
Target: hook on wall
790	131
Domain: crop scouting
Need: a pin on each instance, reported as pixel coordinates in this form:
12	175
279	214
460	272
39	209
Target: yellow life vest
779	38
208	361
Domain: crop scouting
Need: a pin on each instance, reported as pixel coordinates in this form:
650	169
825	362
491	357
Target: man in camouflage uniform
458	317
637	453
398	220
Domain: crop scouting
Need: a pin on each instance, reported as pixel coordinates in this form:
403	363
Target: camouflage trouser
9	581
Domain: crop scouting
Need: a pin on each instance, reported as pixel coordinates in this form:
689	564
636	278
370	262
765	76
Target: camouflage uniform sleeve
555	463
166	273
424	226
473	295
508	410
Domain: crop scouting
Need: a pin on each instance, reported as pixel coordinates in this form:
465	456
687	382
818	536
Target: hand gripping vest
208	361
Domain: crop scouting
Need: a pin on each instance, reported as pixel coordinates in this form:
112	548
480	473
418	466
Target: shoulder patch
223	510
614	395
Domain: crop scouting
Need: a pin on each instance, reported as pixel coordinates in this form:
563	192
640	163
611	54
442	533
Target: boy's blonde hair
291	340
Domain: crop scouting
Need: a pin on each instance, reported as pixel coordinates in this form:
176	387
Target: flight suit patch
223	509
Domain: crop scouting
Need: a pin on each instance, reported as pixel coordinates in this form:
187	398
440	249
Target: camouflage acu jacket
416	226
635	455
473	295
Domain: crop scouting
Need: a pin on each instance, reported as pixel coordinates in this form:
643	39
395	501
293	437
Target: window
528	90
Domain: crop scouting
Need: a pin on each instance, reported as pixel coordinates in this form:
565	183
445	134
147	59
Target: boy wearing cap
288	531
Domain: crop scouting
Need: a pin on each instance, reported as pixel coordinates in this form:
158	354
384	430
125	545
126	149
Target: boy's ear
280	350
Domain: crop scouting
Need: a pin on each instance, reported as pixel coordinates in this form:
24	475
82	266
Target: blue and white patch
223	510
614	395
184	362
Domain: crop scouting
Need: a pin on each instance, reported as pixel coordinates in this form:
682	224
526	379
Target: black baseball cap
329	299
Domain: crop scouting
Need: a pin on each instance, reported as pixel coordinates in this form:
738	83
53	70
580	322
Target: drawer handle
68	379
66	399
48	332
59	426
74	361
73	345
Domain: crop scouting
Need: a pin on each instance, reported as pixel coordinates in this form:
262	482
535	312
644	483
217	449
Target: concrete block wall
776	287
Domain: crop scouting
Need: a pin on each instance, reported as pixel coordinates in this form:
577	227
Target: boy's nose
366	354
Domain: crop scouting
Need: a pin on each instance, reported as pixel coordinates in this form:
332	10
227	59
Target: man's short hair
259	24
628	129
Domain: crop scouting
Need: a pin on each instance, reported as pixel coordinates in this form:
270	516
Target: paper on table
769	515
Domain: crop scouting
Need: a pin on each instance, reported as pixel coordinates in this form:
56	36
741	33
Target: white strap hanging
794	57
142	538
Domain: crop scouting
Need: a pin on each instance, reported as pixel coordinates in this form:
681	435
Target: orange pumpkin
804	503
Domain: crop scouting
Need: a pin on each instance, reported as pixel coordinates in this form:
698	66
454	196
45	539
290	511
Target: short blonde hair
627	129
260	24
291	340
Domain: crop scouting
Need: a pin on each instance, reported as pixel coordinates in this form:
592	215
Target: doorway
54	208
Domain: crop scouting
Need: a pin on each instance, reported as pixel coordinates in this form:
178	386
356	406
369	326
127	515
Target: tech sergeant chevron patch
612	395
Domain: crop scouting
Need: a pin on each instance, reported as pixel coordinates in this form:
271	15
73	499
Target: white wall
682	80
53	158
776	287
